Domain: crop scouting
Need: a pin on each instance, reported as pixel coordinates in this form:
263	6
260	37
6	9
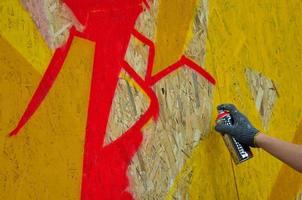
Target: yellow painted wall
262	35
173	29
44	161
287	179
18	28
265	36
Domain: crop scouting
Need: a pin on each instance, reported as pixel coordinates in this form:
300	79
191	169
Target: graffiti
110	25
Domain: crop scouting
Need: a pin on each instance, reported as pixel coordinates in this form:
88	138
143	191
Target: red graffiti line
109	24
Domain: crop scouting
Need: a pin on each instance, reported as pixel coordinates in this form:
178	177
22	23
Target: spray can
238	151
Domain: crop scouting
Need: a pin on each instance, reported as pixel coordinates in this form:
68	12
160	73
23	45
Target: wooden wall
251	48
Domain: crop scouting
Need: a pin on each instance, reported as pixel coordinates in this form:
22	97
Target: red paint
47	81
222	115
109	23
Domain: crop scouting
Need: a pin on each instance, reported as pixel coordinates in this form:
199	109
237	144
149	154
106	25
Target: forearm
290	154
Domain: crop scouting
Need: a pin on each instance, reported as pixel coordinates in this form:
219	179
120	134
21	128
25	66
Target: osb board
288	177
53	19
185	104
264	36
45	160
185	100
18	28
264	93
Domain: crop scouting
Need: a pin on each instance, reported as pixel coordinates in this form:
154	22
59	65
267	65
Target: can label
238	151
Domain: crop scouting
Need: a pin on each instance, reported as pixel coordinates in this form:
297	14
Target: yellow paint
45	160
174	22
288	179
17	27
212	176
265	36
132	82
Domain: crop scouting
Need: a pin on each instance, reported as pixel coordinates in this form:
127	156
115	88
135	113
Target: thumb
223	128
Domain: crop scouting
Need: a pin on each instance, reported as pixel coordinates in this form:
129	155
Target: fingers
223	128
229	107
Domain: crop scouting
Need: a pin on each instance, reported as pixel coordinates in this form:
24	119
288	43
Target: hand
242	130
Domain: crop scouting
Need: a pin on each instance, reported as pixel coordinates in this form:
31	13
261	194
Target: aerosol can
239	152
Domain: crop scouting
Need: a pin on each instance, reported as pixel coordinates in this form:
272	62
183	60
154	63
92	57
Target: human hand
242	130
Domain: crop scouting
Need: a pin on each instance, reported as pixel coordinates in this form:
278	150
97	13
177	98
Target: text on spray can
238	151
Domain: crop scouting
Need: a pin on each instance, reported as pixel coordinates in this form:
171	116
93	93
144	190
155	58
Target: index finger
229	107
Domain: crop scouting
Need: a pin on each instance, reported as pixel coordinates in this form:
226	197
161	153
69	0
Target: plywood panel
17	27
264	36
172	162
45	160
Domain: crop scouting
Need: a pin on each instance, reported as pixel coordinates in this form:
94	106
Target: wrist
259	138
